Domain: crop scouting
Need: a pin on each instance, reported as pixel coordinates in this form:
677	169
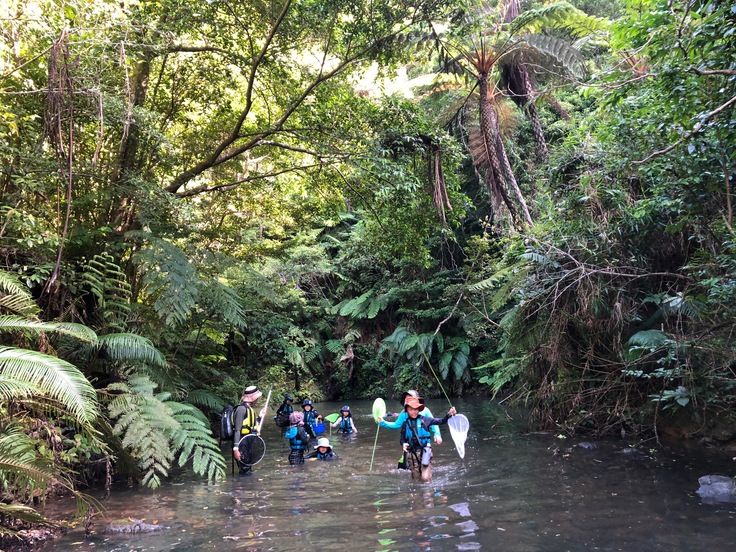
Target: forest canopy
342	199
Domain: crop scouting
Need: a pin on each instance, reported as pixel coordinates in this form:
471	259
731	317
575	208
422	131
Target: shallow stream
513	492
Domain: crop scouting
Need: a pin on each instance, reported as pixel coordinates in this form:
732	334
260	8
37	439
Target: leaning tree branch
696	129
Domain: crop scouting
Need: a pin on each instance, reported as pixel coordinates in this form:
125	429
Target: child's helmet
288	398
306	402
345	408
296	418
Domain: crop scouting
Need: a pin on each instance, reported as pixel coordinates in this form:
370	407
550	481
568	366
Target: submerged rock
587	446
717	488
132	526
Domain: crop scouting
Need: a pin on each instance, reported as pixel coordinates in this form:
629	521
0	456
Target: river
513	492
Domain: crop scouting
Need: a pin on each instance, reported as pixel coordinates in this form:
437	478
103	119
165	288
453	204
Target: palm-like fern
55	378
110	287
160	431
31	377
177	287
23	470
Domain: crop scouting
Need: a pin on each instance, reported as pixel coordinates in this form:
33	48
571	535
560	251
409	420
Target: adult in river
416	438
399	422
245	423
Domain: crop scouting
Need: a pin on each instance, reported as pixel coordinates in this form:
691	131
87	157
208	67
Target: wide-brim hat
323	442
410	393
414	403
251	394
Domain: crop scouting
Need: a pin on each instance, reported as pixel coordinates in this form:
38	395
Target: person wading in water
416	438
245	422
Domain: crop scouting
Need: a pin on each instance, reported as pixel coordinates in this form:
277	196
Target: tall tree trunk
511	179
491	132
127	165
516	80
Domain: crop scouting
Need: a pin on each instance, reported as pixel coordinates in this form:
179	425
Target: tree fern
158	430
131	348
559	15
206	399
12	323
15	297
169	279
109	285
56	378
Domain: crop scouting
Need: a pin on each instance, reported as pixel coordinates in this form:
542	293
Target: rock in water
717	488
132	526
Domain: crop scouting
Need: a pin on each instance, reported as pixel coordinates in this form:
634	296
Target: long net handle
260	424
375	442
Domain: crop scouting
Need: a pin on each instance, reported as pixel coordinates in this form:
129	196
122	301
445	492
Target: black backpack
226	423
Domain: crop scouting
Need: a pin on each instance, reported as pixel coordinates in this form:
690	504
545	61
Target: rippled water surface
513	492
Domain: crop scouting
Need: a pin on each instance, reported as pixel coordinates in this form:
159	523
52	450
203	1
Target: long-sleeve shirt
427	422
398	422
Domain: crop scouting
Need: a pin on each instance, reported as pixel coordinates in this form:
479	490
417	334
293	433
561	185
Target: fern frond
169	278
14	323
560	15
194	442
109	284
560	51
157	430
58	380
226	302
650	339
129	347
15	297
206	399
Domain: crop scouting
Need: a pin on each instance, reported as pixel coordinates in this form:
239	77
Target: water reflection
512	492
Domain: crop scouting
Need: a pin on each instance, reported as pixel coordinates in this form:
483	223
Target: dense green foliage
346	199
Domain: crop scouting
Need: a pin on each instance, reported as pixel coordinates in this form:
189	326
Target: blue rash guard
398	422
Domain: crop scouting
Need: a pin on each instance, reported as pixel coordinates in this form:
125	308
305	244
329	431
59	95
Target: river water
513	492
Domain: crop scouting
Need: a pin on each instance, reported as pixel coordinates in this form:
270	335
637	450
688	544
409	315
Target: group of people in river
418	428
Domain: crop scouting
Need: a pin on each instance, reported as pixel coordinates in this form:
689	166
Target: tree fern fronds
14	296
109	284
225	301
14	323
206	399
58	379
21	513
158	430
194	442
169	278
559	50
560	15
19	460
129	347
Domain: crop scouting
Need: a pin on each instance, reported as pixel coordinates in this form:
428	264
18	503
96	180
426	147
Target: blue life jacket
295	440
326	456
346	425
310	418
410	427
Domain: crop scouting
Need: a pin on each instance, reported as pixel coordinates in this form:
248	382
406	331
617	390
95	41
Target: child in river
298	438
345	422
416	438
323	450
